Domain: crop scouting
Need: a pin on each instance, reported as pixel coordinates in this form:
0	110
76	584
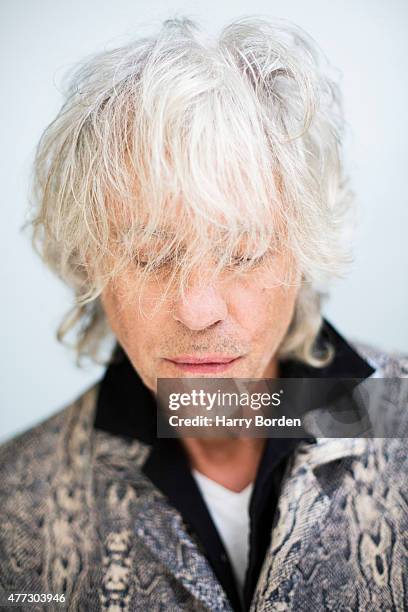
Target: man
191	193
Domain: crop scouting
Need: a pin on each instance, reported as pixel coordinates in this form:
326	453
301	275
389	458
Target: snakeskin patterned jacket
79	517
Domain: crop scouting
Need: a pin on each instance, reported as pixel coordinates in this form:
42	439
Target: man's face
231	327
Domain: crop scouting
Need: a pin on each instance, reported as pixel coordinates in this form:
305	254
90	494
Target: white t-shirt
230	513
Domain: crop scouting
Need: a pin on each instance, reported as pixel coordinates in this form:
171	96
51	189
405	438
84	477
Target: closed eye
241	260
158	264
235	262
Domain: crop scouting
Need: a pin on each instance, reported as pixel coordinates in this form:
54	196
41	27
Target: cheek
263	311
135	316
116	312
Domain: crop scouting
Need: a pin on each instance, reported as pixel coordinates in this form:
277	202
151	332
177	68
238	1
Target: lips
210	364
207	359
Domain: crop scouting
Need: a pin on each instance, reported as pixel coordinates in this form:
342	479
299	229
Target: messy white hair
233	141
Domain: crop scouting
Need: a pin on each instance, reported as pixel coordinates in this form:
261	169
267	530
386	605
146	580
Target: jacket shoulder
29	456
32	464
388	395
388	364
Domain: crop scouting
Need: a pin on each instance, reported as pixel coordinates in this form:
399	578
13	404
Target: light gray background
366	40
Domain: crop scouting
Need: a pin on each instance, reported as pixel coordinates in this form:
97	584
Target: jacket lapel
310	492
161	529
137	521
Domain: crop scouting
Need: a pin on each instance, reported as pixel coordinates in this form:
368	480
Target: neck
232	463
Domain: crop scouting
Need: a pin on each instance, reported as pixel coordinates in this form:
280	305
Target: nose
201	307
